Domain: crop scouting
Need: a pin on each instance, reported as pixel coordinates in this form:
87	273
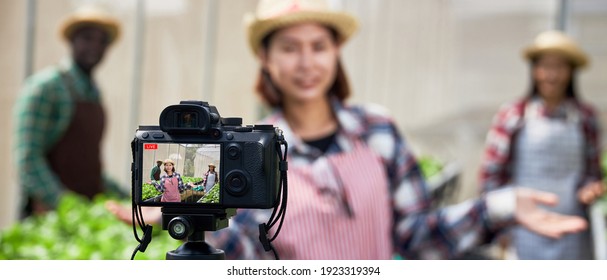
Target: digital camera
197	159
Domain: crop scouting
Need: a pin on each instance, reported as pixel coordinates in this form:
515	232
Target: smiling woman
407	57
355	188
549	140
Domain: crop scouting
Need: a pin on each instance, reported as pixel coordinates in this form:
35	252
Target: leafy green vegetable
212	196
429	166
187	180
79	229
149	191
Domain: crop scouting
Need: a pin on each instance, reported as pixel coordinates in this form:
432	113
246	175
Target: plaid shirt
42	115
496	169
153	171
417	230
160	186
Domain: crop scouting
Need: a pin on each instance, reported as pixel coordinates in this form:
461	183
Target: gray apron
548	156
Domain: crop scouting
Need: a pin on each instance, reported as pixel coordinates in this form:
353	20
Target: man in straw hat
557	145
155	172
355	188
59	119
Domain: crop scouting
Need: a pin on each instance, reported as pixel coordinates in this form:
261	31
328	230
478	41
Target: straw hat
275	14
558	42
90	16
212	164
169	161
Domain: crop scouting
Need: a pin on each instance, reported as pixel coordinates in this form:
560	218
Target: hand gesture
541	221
124	213
590	192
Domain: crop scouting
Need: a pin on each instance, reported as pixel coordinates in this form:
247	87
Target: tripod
192	224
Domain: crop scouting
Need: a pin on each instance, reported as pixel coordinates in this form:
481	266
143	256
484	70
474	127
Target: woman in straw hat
59	118
557	145
210	178
355	189
170	185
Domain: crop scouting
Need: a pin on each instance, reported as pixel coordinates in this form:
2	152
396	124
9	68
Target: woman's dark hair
272	95
570	91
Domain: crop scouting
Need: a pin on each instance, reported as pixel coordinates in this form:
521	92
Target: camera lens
180	228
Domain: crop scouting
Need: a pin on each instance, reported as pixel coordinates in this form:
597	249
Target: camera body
209	156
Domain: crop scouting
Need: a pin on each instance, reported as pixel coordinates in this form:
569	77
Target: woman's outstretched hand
151	215
550	224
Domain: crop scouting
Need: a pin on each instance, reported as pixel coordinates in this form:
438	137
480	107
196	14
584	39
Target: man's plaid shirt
43	112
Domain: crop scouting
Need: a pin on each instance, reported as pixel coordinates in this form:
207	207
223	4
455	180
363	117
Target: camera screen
178	172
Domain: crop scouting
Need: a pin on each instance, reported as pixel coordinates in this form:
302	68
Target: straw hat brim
343	23
578	58
72	24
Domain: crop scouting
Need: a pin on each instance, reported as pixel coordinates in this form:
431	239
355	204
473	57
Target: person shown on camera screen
211	177
155	172
171	185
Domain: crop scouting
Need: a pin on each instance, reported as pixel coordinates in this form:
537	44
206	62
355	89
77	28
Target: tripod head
191	224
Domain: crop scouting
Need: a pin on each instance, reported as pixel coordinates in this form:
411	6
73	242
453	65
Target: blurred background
443	67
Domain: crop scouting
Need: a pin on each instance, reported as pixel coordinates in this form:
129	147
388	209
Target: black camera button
243	129
158	135
234	152
237	183
232	121
264	127
145	135
229	136
214	117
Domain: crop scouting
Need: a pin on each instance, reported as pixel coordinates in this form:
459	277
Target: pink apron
338	207
171	190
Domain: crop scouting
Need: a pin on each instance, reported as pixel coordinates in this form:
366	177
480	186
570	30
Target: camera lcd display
181	173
